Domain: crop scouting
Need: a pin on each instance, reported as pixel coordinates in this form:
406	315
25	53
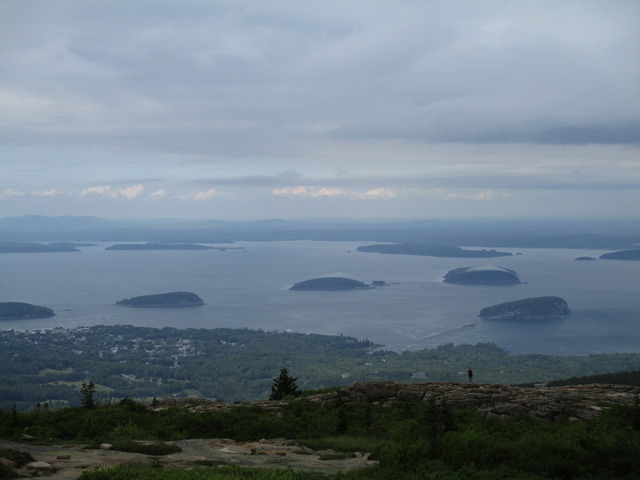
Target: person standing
470	372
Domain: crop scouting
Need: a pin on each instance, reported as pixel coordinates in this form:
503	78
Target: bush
155	448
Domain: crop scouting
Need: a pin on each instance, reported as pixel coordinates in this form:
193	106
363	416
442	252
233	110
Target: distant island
538	308
622	255
482	275
160	246
30	247
427	250
163	300
330	283
23	311
584	259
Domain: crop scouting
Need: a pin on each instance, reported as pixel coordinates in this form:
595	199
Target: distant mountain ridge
613	235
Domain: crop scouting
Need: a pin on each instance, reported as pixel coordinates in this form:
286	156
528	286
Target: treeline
410	440
622	378
240	364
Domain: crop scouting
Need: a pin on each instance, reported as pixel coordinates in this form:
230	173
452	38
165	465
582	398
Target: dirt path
67	462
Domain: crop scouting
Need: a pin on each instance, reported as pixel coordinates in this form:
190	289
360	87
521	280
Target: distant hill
482	275
527	309
163	300
431	250
594	233
23	311
622	255
329	283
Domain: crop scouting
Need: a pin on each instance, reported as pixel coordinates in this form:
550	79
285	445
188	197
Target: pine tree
283	386
87	390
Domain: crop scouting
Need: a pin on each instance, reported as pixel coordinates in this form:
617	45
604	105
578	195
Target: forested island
622	255
427	250
330	283
23	311
482	275
159	246
585	259
538	308
31	247
163	300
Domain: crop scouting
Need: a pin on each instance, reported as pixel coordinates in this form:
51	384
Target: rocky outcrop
582	402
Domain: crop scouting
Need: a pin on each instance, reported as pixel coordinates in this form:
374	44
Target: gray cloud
245	94
210	75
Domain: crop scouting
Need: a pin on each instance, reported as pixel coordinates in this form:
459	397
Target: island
163	300
23	311
450	251
160	246
538	308
482	275
585	259
622	255
30	247
329	283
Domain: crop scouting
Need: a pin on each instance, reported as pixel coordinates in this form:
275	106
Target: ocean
247	286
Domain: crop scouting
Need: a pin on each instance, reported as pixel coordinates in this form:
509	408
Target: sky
253	109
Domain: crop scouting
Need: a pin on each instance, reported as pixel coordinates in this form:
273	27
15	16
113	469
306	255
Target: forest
48	367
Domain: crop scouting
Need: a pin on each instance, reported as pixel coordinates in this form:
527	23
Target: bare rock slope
583	402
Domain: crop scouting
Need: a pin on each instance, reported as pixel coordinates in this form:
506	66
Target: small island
584	259
538	308
449	251
329	284
23	311
482	275
163	300
622	255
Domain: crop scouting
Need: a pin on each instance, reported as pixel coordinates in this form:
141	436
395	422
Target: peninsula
330	284
163	300
450	251
31	247
23	311
482	275
622	255
538	308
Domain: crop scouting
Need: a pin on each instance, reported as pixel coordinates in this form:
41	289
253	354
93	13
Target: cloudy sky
288	109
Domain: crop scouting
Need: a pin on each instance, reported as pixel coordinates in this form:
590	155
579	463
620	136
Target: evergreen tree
87	390
283	386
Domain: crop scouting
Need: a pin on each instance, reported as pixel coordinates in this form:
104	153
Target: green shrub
147	448
343	443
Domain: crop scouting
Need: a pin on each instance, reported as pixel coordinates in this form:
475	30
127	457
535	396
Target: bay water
247	286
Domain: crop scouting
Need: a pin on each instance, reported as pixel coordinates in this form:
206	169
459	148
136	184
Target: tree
283	386
87	390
